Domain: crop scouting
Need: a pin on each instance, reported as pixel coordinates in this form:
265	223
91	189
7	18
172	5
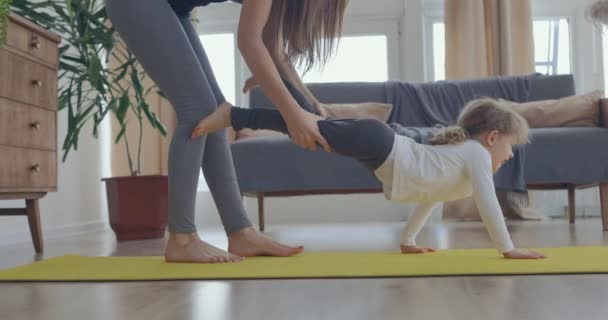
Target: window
358	58
220	49
551	46
439	50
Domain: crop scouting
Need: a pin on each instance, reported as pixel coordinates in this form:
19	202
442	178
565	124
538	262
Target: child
457	163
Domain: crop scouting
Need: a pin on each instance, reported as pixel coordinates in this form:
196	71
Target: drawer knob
36	42
35	168
37	83
35	125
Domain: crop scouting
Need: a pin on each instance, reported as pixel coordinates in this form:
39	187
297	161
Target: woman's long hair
309	29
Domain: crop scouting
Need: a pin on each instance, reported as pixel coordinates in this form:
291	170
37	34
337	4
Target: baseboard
56	232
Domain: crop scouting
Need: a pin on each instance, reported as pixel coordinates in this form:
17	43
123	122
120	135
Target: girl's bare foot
188	247
216	121
249	243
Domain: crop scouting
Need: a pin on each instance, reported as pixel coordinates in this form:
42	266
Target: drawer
34	43
25	126
26	81
27	168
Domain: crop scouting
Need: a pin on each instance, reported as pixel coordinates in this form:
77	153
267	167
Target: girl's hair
309	29
484	115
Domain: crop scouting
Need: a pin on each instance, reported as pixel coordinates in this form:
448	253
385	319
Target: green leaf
74	59
162	94
94	69
123	129
123	106
143	105
68	67
136	84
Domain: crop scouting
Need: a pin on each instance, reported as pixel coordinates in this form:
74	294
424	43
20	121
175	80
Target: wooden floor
581	297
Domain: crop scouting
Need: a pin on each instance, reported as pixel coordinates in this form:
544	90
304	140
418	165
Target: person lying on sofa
457	163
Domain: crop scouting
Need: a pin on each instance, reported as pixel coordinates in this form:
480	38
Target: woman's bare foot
216	121
249	243
188	247
415	249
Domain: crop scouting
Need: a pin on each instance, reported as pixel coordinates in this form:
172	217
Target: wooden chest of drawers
29	65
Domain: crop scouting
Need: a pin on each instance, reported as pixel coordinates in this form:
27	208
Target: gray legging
170	51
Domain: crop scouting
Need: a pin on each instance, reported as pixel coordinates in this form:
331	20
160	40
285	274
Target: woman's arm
274	42
302	125
290	73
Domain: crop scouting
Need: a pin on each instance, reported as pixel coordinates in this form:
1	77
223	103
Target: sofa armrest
604	113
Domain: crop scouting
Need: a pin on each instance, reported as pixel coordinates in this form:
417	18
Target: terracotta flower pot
138	206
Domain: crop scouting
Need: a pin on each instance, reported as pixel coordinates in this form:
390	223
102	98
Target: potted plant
91	90
4	11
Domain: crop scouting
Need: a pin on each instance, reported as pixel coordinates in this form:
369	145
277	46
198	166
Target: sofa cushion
567	155
573	111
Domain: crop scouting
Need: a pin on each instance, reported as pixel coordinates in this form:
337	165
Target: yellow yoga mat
568	260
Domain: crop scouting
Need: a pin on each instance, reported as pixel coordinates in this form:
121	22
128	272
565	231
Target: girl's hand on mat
304	131
518	254
415	249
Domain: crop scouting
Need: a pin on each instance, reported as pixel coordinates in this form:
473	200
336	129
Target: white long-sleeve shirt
428	175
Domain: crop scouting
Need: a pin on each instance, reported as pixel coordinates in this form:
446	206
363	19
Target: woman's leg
177	70
217	157
242	238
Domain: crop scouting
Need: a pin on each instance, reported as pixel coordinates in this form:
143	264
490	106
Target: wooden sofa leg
572	203
261	210
604	204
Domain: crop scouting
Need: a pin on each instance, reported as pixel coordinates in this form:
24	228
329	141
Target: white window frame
429	18
570	36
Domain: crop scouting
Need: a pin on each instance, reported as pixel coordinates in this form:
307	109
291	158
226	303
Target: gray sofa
557	158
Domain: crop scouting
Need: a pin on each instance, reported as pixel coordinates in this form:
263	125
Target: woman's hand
518	254
415	249
304	131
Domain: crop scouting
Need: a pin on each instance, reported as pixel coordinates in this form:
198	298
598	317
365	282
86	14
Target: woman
272	36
